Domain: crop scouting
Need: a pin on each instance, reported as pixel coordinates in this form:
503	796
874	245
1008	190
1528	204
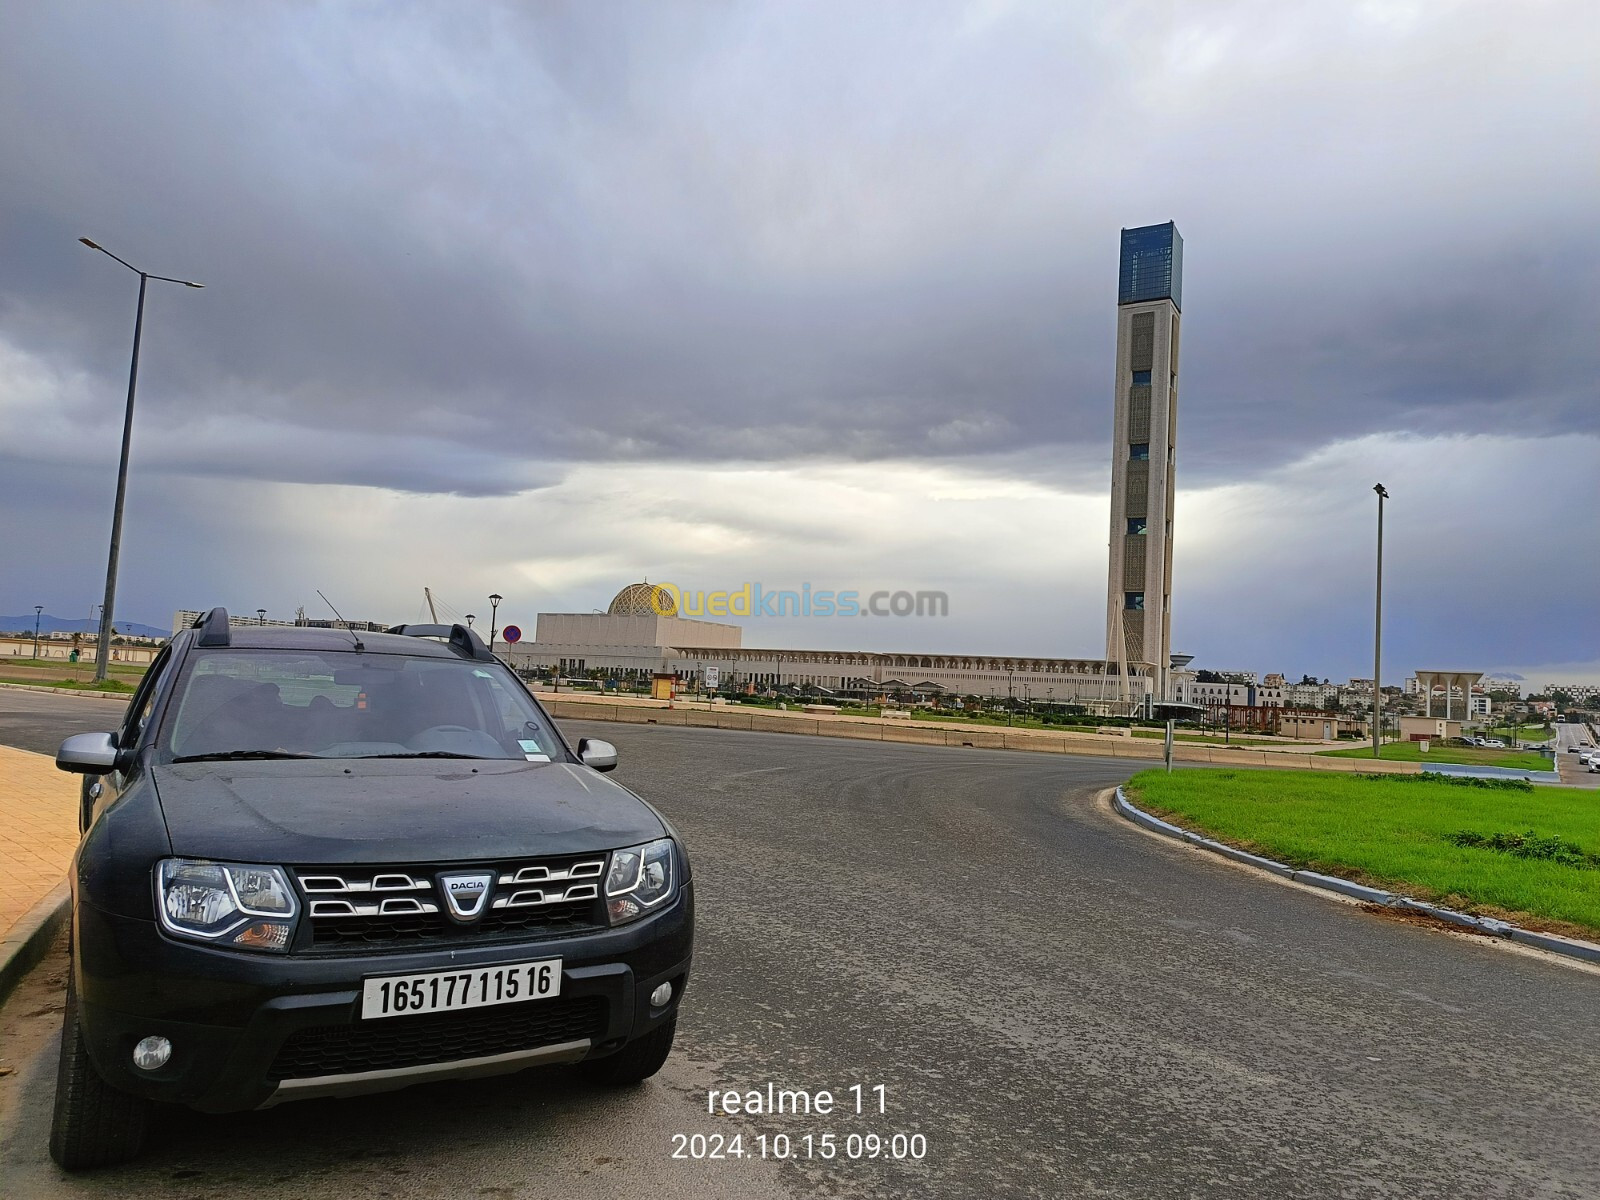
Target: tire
639	1059
94	1125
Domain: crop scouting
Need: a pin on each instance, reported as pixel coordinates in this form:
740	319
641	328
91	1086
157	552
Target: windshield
343	704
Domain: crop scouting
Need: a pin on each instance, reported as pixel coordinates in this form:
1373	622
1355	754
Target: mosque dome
643	600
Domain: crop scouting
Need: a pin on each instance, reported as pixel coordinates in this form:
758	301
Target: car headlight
640	878
230	904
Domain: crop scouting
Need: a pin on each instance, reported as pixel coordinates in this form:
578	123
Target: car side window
144	701
511	711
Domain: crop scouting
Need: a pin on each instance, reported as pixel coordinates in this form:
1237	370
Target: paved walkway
38	830
930	733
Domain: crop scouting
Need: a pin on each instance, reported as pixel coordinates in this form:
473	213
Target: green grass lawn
1392	832
1472	756
18	669
1210	739
1021	721
1018	721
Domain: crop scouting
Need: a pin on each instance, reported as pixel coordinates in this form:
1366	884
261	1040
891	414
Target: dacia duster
319	862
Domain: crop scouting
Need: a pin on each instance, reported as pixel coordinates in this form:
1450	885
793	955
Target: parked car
321	863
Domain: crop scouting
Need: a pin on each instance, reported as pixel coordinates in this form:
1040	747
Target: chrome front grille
355	908
557	889
377	895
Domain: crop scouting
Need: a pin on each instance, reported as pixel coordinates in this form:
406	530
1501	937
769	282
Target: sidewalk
38	831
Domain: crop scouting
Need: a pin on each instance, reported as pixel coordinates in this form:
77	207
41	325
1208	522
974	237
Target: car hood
395	811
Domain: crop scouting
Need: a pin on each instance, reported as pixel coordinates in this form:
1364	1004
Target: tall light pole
38	610
1377	636
261	615
471	617
494	611
102	658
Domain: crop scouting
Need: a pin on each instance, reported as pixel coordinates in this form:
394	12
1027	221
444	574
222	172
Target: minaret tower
1139	587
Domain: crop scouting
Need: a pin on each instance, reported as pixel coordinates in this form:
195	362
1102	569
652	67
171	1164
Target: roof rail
462	640
214	629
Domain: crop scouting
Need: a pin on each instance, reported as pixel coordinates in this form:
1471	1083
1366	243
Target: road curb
57	691
30	938
1570	947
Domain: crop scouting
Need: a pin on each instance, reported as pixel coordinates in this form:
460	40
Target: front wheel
94	1124
638	1060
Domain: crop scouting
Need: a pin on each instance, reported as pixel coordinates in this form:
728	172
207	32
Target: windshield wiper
234	755
424	754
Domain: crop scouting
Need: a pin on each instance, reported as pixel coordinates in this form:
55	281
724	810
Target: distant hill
49	624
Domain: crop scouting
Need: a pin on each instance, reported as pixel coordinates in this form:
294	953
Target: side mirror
88	754
602	756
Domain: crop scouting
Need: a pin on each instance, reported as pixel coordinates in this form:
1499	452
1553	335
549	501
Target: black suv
318	862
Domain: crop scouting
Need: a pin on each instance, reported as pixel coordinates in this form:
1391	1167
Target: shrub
1529	845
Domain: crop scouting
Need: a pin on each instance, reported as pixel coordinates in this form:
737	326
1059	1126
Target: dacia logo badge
465	895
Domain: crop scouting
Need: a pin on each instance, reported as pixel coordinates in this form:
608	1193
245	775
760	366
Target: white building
641	634
1311	695
1192	691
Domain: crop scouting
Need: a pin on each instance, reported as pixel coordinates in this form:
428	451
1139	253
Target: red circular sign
511	633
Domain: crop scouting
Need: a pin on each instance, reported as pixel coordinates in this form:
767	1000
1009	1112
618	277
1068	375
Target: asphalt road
38	721
1060	1004
1572	771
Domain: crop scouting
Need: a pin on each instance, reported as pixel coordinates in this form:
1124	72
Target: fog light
658	997
152	1053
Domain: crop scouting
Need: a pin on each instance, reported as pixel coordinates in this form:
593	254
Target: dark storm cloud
590	231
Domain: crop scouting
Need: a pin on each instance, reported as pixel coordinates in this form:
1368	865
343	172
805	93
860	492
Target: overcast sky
540	299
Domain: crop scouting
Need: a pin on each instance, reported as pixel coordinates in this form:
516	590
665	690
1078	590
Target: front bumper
232	1017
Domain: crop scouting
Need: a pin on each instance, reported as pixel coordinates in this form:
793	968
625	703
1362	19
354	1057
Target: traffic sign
713	677
511	633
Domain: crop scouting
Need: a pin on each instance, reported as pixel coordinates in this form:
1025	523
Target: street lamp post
471	617
1377	636
261	615
102	659
38	610
494	617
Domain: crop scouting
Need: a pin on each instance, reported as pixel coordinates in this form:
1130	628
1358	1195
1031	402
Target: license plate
470	987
